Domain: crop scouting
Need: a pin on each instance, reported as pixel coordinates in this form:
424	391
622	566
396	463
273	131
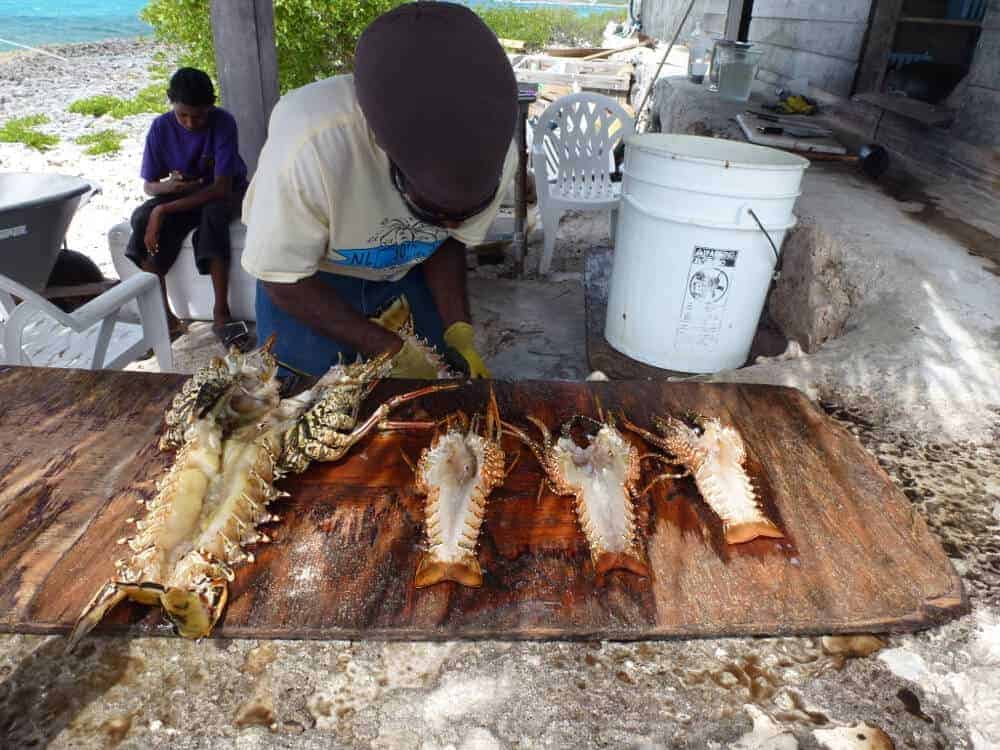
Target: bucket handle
774	248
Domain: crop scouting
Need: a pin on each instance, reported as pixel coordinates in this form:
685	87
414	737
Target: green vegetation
543	27
152	99
23	130
316	38
102	142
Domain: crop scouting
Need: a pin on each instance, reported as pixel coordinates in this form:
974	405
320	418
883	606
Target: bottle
699	47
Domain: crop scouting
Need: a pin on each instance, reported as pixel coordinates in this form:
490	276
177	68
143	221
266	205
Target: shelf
941	21
914	109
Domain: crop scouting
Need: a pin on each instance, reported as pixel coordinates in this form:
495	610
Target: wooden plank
575	65
79	290
939	21
590	82
922	112
516	45
749	124
76	449
734	16
247	63
576	52
881	33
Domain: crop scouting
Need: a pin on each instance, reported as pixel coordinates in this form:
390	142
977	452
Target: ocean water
35	22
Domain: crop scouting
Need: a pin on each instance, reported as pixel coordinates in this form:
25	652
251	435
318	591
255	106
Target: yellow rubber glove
410	362
459	337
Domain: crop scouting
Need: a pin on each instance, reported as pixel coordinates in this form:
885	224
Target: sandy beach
32	83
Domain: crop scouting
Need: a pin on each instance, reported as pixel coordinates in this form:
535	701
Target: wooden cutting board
77	448
823	145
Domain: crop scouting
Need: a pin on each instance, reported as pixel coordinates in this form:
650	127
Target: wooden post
734	15
247	62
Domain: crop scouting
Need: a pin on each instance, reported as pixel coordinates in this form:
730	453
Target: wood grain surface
78	448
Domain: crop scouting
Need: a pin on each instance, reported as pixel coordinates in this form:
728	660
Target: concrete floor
914	374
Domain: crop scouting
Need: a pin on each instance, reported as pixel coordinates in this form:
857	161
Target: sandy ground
33	84
937	689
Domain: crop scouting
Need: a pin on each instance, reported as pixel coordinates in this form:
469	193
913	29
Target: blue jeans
308	350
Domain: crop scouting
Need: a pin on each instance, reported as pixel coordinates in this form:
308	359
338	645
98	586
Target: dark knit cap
440	96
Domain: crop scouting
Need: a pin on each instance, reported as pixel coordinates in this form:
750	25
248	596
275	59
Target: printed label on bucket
708	282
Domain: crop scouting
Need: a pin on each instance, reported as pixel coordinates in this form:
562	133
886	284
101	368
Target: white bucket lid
716	151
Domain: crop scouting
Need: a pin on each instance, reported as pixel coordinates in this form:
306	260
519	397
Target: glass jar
713	71
699	51
737	69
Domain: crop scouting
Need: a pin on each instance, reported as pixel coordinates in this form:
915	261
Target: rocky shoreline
32	83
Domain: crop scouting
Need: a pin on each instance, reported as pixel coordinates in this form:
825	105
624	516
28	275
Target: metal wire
777	255
656	75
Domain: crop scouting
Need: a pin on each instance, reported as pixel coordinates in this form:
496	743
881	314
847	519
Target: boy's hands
152	237
178	184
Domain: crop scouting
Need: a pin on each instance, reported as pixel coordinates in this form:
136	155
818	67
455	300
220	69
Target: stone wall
825	43
804	39
660	17
978	119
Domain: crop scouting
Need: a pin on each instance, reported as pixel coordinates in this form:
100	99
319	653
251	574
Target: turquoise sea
35	22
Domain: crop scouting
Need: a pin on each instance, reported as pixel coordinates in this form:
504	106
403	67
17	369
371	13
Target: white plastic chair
105	333
190	294
572	155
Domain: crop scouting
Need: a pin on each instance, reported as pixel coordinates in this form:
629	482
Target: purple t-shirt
202	154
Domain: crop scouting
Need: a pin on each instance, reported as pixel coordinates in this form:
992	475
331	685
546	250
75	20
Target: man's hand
459	337
153	226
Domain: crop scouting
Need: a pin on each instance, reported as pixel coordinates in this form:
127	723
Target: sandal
235	333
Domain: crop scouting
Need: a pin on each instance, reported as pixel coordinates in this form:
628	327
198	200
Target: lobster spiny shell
716	458
205	512
457	473
174	512
247	381
323	433
603	477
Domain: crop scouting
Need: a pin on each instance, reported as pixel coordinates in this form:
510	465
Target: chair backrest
10	289
576	136
13	313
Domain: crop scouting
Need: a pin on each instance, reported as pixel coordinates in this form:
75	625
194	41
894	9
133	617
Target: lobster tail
628	561
465	571
191	614
737	533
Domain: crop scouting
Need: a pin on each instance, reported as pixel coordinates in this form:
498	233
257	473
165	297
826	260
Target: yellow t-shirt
322	198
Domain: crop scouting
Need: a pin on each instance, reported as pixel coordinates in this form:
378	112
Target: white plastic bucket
692	266
711	178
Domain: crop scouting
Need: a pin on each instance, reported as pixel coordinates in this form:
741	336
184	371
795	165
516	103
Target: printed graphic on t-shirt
385	257
400	242
396	231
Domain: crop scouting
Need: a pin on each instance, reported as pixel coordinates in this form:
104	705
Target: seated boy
193	171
